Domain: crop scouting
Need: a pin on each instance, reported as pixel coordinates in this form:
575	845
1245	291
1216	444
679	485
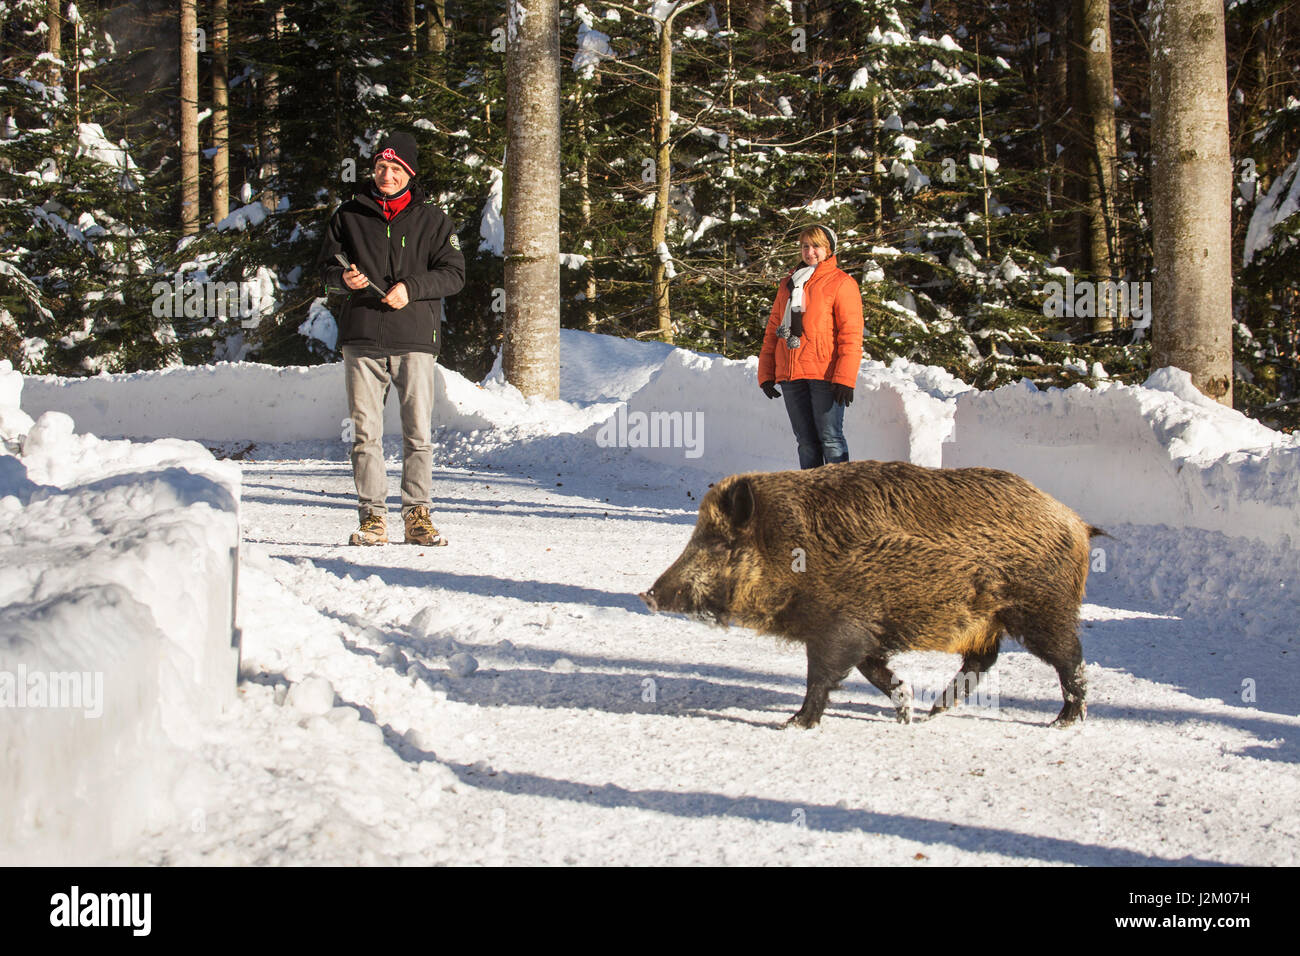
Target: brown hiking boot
373	530
420	529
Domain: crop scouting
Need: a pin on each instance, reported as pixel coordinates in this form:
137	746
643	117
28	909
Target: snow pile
1161	453
246	401
1158	453
601	368
116	584
707	412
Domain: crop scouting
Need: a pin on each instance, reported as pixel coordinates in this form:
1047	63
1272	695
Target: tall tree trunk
53	41
876	205
76	70
410	27
663	183
1097	122
584	206
435	25
1062	72
269	147
663	172
1191	194
531	352
220	111
189	118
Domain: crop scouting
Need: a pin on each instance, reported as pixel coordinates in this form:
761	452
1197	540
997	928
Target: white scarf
795	301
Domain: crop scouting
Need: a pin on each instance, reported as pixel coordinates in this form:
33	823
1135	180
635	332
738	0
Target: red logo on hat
391	155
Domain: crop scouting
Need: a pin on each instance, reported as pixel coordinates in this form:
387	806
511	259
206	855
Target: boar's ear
738	502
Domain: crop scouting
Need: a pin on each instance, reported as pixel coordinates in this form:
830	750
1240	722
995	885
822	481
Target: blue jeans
817	421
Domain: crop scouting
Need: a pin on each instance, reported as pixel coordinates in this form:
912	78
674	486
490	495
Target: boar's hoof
803	720
904	715
1072	712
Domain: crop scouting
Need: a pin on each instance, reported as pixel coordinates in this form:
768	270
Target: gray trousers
368	380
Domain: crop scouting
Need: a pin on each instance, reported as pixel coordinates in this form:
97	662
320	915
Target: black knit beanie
830	234
399	148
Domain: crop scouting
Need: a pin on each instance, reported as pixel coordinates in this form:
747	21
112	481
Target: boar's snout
649	598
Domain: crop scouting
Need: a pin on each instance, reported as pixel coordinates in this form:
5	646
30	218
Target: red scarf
392	205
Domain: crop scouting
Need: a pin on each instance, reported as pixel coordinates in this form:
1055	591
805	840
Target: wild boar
863	560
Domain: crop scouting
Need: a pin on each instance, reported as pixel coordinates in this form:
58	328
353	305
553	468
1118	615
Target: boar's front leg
876	670
974	665
829	662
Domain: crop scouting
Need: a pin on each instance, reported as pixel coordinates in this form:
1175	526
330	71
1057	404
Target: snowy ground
592	732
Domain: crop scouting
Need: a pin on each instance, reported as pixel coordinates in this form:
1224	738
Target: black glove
841	394
769	389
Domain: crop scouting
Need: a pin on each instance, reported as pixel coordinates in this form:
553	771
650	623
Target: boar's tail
1094	531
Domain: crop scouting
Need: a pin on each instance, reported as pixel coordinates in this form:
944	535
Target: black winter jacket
417	247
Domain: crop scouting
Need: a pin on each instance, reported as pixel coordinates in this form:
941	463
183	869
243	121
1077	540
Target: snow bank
1161	453
116	584
249	402
707	412
1155	454
229	402
600	368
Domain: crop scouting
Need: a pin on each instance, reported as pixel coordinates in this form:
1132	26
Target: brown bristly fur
895	557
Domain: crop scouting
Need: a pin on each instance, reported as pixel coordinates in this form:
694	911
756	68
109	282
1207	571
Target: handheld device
342	260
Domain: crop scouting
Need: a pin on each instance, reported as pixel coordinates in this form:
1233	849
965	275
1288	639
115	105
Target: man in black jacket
404	258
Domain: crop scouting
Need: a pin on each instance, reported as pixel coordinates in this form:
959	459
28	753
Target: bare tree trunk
1097	122
730	314
584	206
189	118
663	182
220	111
409	26
53	41
435	25
1062	73
877	205
269	148
1191	194
76	70
531	352
663	172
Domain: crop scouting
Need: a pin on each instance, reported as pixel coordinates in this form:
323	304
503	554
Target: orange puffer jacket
831	345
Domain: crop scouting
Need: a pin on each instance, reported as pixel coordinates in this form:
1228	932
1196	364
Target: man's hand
769	389
841	394
354	279
397	297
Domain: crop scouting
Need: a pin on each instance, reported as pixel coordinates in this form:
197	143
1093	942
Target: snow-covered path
592	732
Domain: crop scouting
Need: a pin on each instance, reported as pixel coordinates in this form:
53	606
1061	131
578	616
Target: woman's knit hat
830	234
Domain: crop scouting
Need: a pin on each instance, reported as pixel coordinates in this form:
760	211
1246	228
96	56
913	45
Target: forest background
987	167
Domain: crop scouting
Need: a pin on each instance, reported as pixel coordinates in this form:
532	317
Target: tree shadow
821	818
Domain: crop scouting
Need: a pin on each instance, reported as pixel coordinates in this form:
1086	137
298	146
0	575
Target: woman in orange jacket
813	346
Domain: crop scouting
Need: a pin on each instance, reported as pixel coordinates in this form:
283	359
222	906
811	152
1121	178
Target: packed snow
508	699
117	562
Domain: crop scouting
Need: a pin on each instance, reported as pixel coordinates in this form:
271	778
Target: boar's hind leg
829	662
1074	687
1060	647
973	667
876	670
